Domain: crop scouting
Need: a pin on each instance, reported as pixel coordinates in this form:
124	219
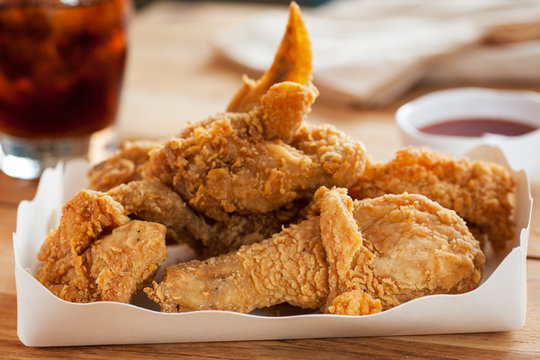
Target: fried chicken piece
290	267
84	218
234	164
292	66
123	167
151	200
478	191
292	62
259	156
355	258
342	241
98	253
122	262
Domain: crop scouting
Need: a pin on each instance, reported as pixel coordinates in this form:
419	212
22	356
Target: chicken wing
98	253
478	191
354	258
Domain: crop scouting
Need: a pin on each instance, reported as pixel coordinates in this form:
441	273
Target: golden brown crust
98	253
290	267
151	200
348	260
121	263
342	243
121	168
478	191
229	165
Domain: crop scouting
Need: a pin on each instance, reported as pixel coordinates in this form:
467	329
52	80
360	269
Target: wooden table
173	77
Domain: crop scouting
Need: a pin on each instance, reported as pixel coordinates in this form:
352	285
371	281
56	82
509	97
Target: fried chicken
260	156
291	66
354	258
234	187
151	200
121	168
290	267
238	163
97	253
238	177
478	191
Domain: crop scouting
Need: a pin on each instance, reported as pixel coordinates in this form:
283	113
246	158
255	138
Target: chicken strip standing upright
354	258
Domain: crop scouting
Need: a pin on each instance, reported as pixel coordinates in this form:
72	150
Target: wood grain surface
174	77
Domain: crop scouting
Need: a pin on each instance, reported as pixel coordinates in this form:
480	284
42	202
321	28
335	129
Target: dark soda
61	66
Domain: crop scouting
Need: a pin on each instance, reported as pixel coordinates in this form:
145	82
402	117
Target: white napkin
368	52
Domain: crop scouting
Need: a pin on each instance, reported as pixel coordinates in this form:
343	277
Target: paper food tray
498	304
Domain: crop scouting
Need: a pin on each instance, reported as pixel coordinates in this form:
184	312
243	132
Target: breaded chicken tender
239	163
97	253
236	178
479	191
347	257
290	267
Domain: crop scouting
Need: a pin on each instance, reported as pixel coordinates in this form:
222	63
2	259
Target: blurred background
139	4
368	55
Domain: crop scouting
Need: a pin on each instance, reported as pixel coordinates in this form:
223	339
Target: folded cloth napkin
368	52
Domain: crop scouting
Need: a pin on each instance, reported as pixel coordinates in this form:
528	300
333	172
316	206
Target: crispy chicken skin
478	191
290	267
235	164
151	200
123	167
279	90
122	262
98	253
238	177
260	156
350	260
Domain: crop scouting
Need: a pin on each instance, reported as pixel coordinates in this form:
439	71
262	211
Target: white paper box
498	304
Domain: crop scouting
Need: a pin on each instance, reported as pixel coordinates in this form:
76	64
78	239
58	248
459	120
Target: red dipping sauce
476	127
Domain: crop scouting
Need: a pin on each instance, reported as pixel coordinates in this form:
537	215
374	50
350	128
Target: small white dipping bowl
522	152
